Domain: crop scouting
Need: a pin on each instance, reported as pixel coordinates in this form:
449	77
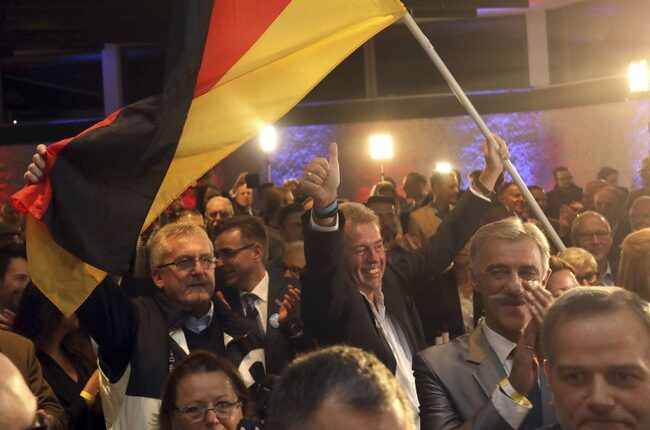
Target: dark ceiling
50	53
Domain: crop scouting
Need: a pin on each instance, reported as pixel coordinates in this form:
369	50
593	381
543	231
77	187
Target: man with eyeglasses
490	379
590	231
350	294
263	296
217	210
141	340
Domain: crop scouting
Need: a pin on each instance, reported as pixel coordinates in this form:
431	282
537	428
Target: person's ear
156	275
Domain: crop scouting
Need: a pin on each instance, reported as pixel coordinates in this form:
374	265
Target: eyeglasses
199	412
185	264
218	214
227	255
590	277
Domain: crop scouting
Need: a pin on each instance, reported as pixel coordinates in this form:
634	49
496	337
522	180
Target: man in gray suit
489	378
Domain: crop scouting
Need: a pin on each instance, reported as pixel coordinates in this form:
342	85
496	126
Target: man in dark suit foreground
489	378
597	344
350	294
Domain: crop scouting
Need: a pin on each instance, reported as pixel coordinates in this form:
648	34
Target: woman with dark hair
66	356
204	391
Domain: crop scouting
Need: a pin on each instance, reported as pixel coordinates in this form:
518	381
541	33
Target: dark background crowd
443	296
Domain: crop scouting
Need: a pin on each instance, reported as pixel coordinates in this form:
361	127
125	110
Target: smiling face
593	234
13	283
240	265
513	199
502	267
600	373
365	257
192	288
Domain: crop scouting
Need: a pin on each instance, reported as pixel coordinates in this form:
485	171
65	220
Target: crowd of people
289	307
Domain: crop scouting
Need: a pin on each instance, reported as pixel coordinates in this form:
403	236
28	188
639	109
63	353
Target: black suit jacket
335	312
279	348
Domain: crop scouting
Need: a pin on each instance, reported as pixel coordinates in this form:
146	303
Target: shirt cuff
477	194
512	412
316	227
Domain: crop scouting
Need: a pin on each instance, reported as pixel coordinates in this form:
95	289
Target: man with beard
13	280
489	378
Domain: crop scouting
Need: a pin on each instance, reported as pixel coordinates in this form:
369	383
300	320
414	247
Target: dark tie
251	311
534	419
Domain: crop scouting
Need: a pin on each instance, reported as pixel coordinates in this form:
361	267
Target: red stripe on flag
235	25
36	198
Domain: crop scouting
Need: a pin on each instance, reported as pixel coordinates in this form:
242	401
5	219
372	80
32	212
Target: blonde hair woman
634	266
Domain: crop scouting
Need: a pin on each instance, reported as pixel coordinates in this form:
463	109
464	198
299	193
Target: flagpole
469	107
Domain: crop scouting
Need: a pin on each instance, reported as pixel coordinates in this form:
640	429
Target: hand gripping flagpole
462	98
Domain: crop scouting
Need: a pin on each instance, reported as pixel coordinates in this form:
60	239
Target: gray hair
590	301
356	213
159	247
579	220
510	229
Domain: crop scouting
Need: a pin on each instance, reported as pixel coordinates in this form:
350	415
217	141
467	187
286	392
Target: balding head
591	231
17	403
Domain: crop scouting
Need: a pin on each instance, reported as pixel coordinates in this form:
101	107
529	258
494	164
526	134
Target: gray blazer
455	381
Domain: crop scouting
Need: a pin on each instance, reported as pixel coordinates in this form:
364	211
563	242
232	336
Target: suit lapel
489	371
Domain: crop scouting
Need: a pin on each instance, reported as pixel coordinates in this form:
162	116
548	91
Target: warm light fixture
381	147
637	76
443	167
268	139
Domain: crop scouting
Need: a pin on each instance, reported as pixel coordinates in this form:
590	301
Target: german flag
233	66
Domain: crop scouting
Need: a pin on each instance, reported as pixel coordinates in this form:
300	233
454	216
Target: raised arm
107	314
458	227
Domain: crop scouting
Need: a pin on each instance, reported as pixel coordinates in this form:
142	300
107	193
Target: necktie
251	311
534	419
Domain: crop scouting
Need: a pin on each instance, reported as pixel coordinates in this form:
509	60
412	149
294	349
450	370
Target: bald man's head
17	403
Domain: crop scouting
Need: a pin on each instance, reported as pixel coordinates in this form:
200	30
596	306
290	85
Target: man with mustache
597	343
489	379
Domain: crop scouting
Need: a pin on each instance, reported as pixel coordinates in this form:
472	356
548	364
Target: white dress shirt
512	412
261	292
197	325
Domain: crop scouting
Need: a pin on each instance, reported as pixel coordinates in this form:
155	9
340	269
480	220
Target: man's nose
601	398
513	284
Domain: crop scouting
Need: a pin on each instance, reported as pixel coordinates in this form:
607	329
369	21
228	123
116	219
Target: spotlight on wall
268	143
268	138
637	76
381	148
443	167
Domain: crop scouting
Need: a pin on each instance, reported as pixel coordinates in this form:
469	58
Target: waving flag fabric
233	66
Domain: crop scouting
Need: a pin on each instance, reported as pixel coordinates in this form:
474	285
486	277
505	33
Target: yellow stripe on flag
70	281
305	42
